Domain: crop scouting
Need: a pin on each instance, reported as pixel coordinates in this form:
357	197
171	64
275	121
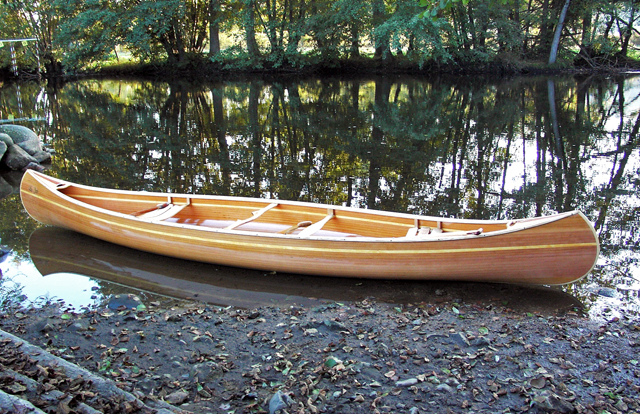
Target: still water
472	148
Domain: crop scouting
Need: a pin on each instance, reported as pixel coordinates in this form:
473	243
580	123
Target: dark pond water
470	148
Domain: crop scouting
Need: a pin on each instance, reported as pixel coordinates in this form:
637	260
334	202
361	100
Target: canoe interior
221	212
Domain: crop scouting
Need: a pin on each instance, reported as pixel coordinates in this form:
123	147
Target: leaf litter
338	357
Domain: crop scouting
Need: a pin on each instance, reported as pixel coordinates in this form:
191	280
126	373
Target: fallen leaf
538	382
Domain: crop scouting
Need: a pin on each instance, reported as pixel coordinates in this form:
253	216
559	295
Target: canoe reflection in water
54	250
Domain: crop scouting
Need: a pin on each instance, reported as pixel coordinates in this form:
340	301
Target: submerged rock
5	188
4	254
605	292
121	302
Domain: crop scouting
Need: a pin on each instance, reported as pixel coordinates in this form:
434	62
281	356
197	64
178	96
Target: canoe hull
557	252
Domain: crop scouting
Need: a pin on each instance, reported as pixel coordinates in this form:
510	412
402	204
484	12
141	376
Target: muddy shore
334	358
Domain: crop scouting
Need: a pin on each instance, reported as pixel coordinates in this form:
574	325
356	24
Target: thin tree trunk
556	37
627	32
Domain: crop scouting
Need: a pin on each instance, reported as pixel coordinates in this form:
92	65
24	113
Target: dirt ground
335	358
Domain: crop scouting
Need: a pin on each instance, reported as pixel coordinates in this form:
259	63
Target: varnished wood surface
352	243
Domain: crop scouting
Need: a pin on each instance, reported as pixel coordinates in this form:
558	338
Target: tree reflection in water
454	147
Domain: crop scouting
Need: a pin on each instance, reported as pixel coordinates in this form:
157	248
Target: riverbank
196	68
347	358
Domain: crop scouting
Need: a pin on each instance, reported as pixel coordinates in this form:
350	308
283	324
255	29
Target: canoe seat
163	212
436	232
310	230
423	231
295	227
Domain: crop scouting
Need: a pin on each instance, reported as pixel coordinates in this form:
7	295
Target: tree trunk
627	32
556	37
256	137
296	20
214	27
544	27
381	41
354	51
250	28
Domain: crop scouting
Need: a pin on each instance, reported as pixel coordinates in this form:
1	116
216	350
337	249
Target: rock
34	166
146	385
15	142
407	383
19	133
330	325
552	403
16	158
481	342
6	139
204	372
606	292
31	147
176	398
4	254
80	326
621	406
279	401
445	387
122	302
42	156
460	339
3	148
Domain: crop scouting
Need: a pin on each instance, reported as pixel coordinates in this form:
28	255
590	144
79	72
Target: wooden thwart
254	216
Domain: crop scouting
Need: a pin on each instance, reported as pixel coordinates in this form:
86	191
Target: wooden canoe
316	239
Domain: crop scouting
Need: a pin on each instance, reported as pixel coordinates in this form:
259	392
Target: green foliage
435	7
90	35
11	294
285	34
35	19
236	58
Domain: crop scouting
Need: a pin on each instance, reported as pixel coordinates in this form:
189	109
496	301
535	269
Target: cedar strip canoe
317	239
